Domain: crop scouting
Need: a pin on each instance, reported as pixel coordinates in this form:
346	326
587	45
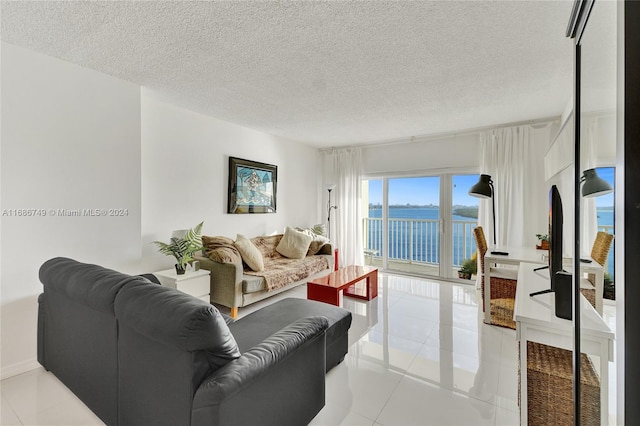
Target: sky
423	190
608	174
426	190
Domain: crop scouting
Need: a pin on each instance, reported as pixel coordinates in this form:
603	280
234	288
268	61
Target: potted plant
544	241
468	268
609	287
183	248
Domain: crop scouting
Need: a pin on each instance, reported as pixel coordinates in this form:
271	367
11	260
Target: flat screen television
555	237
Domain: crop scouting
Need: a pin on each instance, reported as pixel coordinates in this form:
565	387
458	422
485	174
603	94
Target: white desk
536	321
516	256
592	267
519	255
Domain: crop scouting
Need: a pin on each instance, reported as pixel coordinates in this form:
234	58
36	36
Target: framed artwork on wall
252	187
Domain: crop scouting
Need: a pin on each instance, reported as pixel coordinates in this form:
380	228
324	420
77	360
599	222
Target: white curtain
509	156
346	220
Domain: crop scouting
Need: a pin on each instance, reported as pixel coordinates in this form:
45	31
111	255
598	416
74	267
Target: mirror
597	146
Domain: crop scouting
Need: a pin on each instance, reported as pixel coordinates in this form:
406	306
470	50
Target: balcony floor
417	269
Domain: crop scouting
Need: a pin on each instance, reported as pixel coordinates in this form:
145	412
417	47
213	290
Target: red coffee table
327	289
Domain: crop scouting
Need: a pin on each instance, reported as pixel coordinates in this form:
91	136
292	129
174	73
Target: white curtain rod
424	138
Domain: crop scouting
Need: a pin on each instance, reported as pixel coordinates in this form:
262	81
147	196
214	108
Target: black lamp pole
493	211
329	208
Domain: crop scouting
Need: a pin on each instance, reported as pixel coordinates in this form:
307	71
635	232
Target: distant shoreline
470	212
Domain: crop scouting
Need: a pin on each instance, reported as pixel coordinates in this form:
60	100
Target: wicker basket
550	387
502	313
590	295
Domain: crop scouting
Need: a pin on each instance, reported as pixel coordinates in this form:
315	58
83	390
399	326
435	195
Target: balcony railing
418	240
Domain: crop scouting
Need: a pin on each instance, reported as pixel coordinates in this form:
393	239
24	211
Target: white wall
455	151
70	140
185	158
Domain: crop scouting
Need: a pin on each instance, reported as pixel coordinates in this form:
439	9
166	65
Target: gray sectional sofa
138	353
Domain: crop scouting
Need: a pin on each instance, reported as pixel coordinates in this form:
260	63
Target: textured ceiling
325	73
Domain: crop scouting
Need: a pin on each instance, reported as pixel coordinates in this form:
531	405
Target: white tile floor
419	355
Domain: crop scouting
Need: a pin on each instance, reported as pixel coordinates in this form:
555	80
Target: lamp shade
482	189
594	185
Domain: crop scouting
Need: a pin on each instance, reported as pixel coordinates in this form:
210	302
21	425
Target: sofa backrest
78	332
168	343
267	244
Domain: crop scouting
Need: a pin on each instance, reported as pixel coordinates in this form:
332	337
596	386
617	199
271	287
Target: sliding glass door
413	213
464	217
419	225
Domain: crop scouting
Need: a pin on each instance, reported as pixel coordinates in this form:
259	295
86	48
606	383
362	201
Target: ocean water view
414	233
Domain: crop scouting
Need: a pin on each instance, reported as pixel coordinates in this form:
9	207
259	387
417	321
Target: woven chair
599	253
503	289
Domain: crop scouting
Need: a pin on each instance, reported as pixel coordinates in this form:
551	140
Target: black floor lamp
594	185
330	187
484	189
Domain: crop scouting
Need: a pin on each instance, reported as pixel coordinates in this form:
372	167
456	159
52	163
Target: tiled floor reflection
419	355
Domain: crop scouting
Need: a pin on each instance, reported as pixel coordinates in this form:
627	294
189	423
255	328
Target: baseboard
18	368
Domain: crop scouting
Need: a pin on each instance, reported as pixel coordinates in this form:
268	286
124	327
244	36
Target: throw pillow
220	249
317	243
250	253
294	244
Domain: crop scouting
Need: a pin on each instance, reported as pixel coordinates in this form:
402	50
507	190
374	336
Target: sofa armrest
41	318
279	381
226	281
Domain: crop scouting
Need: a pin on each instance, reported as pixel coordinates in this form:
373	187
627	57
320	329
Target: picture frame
252	187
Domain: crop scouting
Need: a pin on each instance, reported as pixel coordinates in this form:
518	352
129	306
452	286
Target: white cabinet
195	283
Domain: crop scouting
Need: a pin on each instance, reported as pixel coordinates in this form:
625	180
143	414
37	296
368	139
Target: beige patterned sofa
234	284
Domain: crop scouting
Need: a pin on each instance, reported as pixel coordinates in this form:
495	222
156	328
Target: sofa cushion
90	285
259	325
317	243
253	284
176	319
220	249
279	272
294	244
249	252
152	278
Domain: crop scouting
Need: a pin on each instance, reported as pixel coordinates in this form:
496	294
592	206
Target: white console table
536	321
195	283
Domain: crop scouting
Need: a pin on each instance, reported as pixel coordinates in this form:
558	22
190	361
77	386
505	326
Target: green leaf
183	248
